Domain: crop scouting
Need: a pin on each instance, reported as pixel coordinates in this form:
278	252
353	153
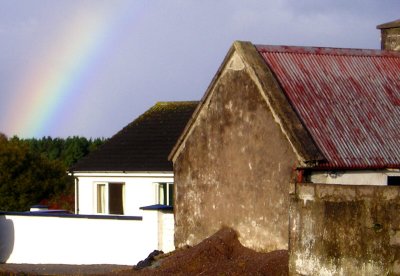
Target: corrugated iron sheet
348	99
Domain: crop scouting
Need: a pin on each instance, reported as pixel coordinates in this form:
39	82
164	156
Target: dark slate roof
348	100
144	144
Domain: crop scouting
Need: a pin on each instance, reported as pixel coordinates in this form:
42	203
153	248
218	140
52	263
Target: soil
220	254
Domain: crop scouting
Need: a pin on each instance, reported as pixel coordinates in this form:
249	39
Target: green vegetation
33	171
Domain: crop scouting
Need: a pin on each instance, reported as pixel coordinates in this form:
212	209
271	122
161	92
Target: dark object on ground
220	254
148	261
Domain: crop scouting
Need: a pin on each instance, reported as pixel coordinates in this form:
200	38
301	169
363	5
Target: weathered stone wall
390	39
234	168
344	230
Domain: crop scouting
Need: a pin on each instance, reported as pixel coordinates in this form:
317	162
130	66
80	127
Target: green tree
26	177
33	170
75	149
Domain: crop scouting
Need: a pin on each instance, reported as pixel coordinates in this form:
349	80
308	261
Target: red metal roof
348	99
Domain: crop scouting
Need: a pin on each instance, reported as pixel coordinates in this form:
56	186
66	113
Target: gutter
76	180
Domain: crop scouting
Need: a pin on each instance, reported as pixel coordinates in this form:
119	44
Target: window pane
101	198
115	198
170	194
162	193
393	180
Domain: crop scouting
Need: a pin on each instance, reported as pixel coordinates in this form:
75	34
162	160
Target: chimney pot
390	35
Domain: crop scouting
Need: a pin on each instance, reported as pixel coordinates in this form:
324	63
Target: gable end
287	118
240	54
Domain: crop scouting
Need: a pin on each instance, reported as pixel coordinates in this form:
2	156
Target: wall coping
67	215
311	191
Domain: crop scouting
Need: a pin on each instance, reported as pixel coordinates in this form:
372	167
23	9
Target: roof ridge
175	102
332	51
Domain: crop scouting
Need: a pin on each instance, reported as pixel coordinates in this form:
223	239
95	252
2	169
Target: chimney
390	35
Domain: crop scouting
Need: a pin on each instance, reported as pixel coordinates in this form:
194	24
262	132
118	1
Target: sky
90	67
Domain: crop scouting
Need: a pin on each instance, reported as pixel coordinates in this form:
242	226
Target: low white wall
360	177
75	239
166	224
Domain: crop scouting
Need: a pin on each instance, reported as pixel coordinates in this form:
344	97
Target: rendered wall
234	168
344	230
39	239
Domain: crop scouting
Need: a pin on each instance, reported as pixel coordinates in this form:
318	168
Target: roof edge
388	25
302	142
173	102
289	121
188	127
317	50
348	168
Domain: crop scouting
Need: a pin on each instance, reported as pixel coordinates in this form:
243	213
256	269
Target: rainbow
61	73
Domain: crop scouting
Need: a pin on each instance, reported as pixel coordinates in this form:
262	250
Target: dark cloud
166	50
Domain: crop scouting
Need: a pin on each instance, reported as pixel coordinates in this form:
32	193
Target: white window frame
169	186
106	197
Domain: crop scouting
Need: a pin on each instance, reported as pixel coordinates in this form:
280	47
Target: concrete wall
234	168
140	189
71	239
344	230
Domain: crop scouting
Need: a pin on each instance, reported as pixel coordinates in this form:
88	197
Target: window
115	198
101	198
166	193
110	198
393	180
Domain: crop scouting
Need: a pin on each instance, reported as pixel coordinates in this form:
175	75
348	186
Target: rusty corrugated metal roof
348	99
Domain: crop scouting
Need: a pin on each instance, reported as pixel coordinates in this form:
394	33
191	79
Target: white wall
140	189
77	240
377	177
166	231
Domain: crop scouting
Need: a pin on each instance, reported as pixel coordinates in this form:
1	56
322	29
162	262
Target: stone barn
273	115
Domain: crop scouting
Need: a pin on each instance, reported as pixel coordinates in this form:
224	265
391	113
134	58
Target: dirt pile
220	254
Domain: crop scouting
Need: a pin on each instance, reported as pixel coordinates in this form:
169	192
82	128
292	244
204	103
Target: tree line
33	171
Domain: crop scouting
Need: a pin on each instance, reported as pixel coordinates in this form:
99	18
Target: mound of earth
220	254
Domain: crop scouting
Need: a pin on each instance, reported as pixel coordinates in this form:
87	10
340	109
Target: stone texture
390	39
396	267
390	193
334	192
365	192
395	238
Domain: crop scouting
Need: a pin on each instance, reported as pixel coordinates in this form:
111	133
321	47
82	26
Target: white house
124	199
130	175
131	170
